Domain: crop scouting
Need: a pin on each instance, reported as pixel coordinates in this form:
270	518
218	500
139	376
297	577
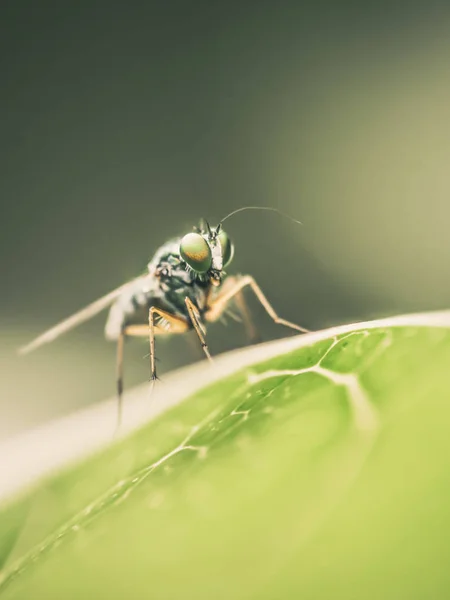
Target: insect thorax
168	285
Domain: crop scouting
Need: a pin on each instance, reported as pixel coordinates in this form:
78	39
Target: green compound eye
195	250
227	248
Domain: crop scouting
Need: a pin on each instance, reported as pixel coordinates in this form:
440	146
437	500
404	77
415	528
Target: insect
184	288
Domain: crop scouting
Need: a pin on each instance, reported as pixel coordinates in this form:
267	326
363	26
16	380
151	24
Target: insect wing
79	317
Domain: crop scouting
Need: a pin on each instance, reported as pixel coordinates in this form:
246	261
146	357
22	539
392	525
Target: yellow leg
192	313
119	377
176	325
250	329
218	305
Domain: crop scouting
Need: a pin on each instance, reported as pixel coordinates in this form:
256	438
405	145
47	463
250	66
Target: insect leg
151	323
119	377
219	303
253	335
174	325
197	327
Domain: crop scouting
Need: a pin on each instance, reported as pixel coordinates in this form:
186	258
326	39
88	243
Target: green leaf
314	467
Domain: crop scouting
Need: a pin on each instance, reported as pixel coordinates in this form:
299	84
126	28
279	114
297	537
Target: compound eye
227	248
195	251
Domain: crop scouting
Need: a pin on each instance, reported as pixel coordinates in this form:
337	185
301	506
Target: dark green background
124	123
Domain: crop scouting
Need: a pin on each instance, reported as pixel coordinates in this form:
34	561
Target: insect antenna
258	208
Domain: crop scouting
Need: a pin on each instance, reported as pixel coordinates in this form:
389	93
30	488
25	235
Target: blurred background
124	123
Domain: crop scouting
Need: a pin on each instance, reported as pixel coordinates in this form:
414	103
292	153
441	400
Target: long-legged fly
185	287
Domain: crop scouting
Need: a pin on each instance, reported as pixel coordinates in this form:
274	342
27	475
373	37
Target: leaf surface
320	472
